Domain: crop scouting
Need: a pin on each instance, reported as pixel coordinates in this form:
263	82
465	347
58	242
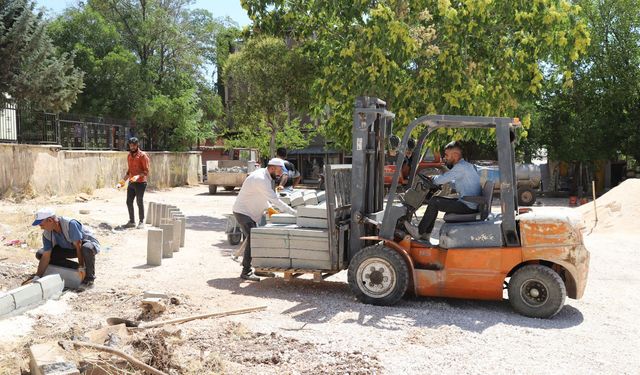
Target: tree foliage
146	60
30	68
472	57
599	115
268	83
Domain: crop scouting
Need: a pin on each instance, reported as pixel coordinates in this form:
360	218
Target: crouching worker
64	239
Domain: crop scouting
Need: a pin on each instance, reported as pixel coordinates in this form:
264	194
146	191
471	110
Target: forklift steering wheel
428	181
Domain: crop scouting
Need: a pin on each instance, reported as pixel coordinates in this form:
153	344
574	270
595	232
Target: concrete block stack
300	241
170	235
31	295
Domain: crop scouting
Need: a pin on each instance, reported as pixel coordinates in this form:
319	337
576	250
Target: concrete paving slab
177	232
311	264
27	295
167	240
273	243
307	232
69	275
283	219
310	255
50	359
150	209
51	286
310	199
157	213
271	262
318	211
286	200
7	304
269	252
307	222
321	195
299	201
154	247
307	244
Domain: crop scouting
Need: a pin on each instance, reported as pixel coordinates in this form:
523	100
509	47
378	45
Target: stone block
183	227
321	195
269	252
307	222
51	286
7	304
286	200
167	240
297	198
309	244
154	294
165	212
50	359
273	242
311	264
154	247
283	219
70	276
318	211
310	199
310	254
272	229
177	231
271	262
149	218
27	295
157	214
308	233
155	305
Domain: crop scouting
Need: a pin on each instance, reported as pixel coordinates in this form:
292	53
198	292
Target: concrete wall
48	170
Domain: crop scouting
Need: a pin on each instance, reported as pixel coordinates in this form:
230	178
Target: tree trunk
272	141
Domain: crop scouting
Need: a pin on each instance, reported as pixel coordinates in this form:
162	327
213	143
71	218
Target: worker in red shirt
138	163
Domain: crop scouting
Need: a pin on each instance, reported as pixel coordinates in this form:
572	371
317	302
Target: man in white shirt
255	196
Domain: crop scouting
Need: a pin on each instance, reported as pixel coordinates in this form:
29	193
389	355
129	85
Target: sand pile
618	210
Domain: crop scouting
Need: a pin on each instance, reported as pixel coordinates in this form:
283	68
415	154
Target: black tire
234	238
213	189
378	275
526	196
537	291
229	188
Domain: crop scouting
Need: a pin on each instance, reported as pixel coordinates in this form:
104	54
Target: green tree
599	115
269	84
30	68
474	57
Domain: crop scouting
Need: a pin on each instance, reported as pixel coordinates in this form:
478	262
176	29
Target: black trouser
441	204
136	190
60	257
246	223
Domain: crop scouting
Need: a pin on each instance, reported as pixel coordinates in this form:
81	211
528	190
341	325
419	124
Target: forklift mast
372	124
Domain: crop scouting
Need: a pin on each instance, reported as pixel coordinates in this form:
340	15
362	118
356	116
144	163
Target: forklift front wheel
537	291
234	238
378	275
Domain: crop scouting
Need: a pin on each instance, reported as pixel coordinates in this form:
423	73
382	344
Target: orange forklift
538	257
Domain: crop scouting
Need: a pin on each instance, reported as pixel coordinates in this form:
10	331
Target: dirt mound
618	210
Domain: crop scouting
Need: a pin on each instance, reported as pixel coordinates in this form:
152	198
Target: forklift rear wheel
378	275
526	197
213	189
234	238
537	291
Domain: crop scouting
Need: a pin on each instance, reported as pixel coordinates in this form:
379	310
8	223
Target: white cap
277	162
43	213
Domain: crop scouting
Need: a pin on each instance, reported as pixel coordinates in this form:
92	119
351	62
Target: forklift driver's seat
484	206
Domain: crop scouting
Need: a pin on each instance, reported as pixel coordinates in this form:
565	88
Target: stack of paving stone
295	241
170	235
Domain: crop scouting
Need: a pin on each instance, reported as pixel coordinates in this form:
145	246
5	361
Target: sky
219	8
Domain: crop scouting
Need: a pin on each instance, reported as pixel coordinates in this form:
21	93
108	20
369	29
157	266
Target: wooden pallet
293	273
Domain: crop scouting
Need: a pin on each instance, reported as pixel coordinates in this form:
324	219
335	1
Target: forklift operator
466	181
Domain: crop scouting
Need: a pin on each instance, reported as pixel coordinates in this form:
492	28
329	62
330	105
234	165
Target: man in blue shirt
65	239
466	181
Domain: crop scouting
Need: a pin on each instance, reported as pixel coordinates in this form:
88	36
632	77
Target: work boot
249	276
130	224
264	274
415	232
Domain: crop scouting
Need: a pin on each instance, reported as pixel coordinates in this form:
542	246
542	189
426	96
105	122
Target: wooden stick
134	362
203	316
595	206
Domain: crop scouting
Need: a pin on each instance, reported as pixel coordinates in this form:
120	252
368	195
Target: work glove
271	211
30	279
120	184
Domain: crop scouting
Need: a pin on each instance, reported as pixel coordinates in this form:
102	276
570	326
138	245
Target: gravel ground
316	327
